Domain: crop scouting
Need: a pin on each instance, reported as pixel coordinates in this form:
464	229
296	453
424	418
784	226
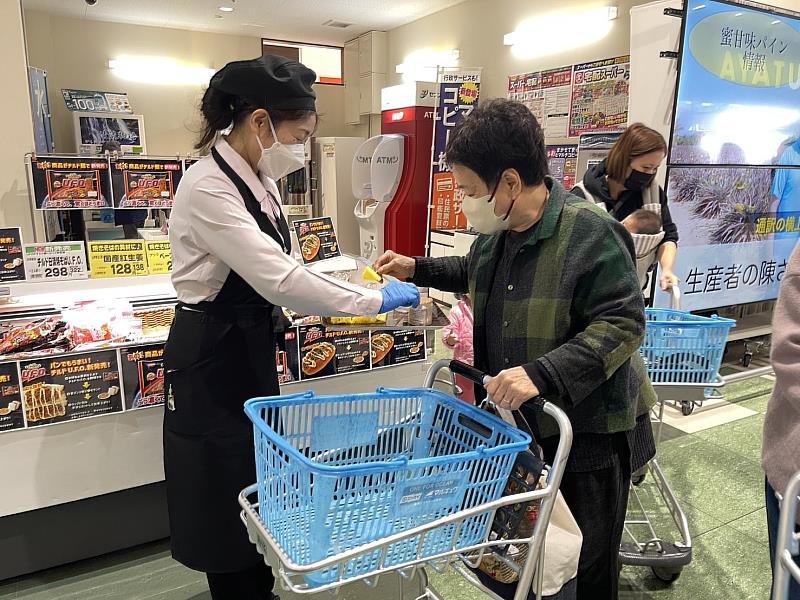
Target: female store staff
557	312
625	182
231	267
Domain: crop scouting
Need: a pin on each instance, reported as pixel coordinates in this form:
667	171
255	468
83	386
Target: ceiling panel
296	20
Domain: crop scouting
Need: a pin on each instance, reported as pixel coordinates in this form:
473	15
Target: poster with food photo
12	263
65	183
140	183
11	413
143	376
324	352
70	387
317	239
396	347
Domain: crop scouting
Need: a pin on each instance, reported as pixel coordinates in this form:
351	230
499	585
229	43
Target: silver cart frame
788	543
290	574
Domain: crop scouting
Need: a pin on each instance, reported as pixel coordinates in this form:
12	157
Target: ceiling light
159	70
555	32
226	8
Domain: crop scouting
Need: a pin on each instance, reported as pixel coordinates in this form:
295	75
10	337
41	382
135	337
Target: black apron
219	354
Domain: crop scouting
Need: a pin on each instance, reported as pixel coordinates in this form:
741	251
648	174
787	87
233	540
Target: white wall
15	107
75	53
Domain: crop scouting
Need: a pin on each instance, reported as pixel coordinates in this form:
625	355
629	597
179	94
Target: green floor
715	473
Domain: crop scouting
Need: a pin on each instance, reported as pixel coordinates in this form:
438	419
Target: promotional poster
12	262
459	91
145	183
11	413
548	95
317	239
70	182
324	352
562	162
600	96
397	347
738	108
143	376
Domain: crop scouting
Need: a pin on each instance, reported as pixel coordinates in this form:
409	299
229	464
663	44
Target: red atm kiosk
408	110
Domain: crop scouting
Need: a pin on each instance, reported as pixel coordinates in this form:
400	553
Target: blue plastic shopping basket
335	472
680	347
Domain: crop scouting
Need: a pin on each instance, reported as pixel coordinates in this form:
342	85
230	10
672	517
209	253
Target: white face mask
480	214
280	159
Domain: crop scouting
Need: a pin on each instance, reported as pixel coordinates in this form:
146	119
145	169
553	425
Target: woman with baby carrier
625	185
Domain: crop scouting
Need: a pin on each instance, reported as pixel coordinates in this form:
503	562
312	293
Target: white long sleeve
212	233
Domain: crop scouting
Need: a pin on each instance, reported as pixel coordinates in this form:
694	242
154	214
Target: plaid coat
573	304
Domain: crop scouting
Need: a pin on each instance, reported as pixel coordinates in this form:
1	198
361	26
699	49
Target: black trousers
598	501
254	583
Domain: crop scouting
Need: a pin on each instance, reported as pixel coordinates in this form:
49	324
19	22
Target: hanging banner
145	183
143	376
563	164
92	101
159	257
459	91
117	258
736	110
548	95
55	261
70	183
11	413
66	388
12	263
600	96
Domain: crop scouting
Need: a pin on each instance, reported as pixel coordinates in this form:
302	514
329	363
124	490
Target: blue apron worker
231	268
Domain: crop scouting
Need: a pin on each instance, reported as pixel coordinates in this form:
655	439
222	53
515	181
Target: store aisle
715	473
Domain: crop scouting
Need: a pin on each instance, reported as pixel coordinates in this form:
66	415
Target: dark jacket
575	306
596	184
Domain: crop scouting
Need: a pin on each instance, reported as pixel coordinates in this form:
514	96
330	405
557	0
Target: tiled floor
714	472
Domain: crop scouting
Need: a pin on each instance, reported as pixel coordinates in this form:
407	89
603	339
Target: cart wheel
687	408
746	359
638	480
667	575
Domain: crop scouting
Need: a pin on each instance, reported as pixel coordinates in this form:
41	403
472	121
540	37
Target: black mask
638	181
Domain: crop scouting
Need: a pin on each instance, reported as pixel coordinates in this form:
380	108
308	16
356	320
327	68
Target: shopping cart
682	353
787	547
400	454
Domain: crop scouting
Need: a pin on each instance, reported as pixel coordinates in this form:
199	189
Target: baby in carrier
645	228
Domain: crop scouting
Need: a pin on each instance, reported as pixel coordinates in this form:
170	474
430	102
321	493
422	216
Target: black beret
271	81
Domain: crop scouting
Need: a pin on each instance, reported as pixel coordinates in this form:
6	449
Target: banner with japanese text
459	90
734	179
70	182
548	95
600	96
562	162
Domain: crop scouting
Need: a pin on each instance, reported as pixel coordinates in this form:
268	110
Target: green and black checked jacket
573	304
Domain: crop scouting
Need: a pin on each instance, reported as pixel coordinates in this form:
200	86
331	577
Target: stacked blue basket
336	472
680	347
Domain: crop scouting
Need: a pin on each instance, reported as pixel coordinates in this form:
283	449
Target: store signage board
94	101
458	94
548	95
736	113
317	239
118	258
68	182
600	96
55	261
397	347
159	257
143	376
65	388
12	264
563	163
11	413
145	183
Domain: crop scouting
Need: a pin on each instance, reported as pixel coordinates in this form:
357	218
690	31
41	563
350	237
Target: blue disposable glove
396	293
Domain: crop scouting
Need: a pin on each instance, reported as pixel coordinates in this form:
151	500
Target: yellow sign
159	257
117	258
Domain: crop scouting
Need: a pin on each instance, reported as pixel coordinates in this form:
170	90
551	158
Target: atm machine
391	173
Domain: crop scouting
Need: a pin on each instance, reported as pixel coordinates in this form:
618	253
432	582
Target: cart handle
477	376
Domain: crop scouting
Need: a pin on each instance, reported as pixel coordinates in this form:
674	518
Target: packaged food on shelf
48	333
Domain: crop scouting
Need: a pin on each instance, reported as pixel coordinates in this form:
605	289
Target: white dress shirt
211	233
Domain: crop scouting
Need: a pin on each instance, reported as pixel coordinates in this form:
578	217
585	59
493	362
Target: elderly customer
781	449
558	313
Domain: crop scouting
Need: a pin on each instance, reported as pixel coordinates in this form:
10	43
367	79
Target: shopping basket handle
481	378
675	297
